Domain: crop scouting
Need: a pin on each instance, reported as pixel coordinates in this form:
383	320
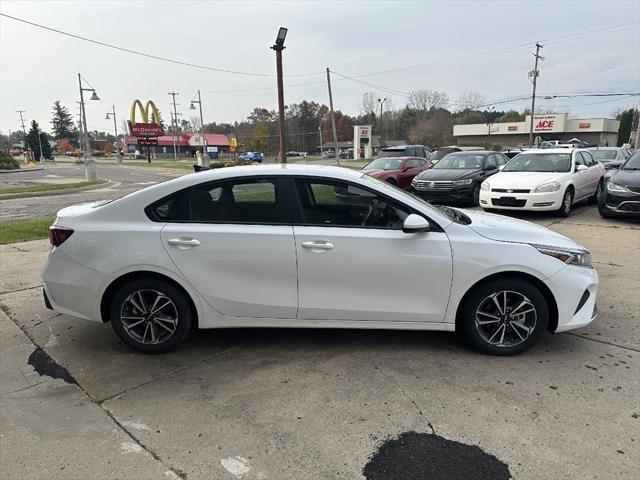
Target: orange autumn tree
64	145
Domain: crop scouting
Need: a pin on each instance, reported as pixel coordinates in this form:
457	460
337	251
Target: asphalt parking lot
323	404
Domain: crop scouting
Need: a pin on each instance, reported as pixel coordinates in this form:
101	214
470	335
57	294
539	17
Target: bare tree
470	100
125	127
195	123
369	103
427	99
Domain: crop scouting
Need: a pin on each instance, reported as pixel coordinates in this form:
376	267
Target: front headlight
548	187
463	182
614	187
580	258
485	186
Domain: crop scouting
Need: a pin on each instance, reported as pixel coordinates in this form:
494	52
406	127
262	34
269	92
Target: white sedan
545	180
311	246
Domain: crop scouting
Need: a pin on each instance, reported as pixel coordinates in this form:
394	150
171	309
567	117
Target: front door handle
184	243
318	245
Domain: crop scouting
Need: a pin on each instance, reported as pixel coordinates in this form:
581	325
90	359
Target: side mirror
490	167
581	168
415	224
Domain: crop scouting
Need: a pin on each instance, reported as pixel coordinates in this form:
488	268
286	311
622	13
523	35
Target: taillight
58	235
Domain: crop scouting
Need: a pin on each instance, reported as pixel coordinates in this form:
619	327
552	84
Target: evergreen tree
624	130
35	137
62	123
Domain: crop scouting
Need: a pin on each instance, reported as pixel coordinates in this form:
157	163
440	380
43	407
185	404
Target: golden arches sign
147	127
144	110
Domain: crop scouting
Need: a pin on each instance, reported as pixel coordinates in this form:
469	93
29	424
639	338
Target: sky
418	45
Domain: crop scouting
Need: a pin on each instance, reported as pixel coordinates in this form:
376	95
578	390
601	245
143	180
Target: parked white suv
546	180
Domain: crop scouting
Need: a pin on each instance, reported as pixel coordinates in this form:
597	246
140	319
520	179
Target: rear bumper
569	286
72	288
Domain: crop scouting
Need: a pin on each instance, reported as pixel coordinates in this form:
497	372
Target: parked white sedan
310	246
545	180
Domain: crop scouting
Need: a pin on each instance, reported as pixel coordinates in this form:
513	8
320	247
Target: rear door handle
318	245
184	242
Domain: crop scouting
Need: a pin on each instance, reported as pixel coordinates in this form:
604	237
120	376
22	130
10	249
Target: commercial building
187	143
552	126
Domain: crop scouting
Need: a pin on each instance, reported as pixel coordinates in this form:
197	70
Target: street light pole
381	102
490	110
116	152
40	144
279	47
90	166
205	160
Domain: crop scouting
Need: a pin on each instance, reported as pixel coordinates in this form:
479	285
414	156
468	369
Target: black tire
475	196
595	199
515	340
604	211
567	205
124	304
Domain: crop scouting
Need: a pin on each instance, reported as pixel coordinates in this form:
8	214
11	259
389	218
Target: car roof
473	152
550	150
604	148
400	147
407	157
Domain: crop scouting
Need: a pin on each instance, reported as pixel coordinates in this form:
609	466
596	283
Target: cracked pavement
317	404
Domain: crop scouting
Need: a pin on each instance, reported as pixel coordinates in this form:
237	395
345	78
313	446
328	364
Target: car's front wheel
151	315
505	316
567	204
475	199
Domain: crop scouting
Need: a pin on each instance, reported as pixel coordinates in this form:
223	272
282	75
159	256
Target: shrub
7	162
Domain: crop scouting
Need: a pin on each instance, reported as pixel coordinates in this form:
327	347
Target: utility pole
24	130
637	142
278	47
333	118
175	125
80	135
534	75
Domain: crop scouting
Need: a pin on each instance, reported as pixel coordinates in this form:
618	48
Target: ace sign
553	122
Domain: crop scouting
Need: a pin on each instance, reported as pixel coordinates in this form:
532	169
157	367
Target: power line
499	50
149	55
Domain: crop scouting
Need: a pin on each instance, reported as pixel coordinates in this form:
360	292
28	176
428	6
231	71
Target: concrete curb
9	196
22	170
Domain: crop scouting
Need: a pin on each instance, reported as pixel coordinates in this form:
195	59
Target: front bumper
570	286
458	193
521	201
622	203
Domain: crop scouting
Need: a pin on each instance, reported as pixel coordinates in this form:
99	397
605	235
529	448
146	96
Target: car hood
506	229
627	178
448	174
523	180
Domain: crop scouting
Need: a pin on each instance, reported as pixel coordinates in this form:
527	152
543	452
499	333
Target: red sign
147	142
146	129
584	125
545	125
513	128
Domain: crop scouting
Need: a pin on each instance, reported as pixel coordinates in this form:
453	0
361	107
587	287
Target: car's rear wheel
567	204
151	315
505	316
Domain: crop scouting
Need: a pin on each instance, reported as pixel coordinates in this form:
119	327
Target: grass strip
26	230
50	187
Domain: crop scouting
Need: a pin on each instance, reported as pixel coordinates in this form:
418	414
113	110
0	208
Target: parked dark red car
398	171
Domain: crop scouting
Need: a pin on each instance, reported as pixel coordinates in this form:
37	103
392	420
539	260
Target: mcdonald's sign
145	128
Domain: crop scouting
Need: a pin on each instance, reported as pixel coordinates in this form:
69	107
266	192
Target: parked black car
456	178
621	195
405	151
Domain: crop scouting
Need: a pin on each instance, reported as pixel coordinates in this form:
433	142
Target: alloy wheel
505	318
149	316
568	200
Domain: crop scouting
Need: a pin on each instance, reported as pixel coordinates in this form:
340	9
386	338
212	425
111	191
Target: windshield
632	163
384	164
604	155
539	162
392	153
461	161
441	153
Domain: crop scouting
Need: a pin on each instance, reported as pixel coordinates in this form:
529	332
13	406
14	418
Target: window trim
300	222
282	206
